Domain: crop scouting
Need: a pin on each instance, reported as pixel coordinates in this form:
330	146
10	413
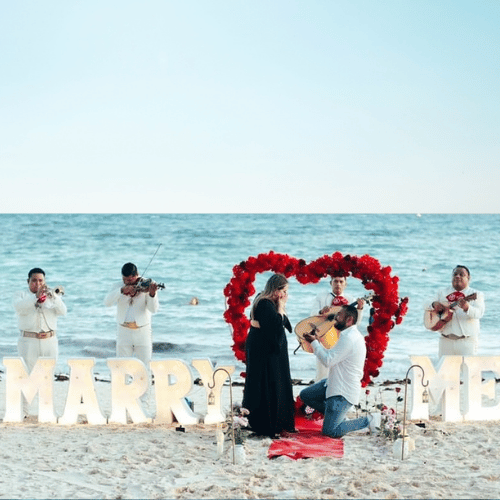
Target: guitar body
437	321
327	334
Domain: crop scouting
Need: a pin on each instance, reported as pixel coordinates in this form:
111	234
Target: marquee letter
81	399
18	382
206	370
125	393
445	383
475	388
173	382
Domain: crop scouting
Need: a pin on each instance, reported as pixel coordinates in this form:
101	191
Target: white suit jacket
463	323
37	319
140	310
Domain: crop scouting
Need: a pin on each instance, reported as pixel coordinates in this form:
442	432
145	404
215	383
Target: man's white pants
136	343
31	349
460	347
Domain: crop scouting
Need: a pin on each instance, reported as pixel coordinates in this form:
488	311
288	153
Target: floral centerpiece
390	427
235	425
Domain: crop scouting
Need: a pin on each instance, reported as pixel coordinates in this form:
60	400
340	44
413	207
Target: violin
143	285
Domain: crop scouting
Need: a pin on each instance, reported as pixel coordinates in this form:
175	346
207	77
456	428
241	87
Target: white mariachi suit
327	300
133	315
460	335
37	323
37	320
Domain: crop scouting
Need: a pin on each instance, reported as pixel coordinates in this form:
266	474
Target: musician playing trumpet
37	309
458	310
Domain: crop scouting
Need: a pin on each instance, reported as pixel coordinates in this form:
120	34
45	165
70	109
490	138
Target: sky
203	106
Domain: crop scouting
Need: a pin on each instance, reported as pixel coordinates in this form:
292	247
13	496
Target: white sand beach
451	460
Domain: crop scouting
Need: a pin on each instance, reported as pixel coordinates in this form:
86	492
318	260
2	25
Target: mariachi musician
329	302
455	313
37	308
135	305
136	299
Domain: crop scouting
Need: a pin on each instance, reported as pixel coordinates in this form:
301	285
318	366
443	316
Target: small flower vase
402	447
220	440
240	455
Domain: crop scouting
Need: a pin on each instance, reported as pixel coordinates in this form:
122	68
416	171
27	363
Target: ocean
196	253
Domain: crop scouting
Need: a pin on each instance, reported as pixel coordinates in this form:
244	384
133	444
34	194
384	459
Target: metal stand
425	400
210	401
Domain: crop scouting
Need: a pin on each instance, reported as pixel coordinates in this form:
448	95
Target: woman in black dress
268	393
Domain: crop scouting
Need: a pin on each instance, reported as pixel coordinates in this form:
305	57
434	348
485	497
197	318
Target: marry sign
173	381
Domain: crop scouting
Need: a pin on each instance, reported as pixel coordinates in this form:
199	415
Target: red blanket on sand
308	442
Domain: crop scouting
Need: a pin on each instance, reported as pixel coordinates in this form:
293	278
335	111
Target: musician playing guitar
331	302
455	313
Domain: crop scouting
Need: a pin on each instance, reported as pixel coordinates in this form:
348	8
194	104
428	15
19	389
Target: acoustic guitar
323	326
437	321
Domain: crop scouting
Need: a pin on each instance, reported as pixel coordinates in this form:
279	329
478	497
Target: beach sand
451	460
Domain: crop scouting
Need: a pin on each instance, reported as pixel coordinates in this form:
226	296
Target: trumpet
51	292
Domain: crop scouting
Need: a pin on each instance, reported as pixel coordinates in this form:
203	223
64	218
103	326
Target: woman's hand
282	297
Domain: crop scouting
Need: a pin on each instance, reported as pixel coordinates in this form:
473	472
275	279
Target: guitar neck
468	299
366	298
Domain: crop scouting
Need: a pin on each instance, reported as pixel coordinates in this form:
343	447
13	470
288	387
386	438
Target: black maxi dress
268	393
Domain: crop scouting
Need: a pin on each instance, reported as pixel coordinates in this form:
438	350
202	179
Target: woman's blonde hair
274	283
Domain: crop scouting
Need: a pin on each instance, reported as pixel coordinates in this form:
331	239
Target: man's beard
340	325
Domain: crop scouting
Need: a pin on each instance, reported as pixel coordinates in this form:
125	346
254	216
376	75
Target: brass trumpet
51	292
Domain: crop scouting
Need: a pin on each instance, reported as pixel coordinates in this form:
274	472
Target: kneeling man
335	395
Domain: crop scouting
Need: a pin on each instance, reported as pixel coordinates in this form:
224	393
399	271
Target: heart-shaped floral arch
389	309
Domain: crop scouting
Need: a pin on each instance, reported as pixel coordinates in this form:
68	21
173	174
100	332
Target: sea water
84	253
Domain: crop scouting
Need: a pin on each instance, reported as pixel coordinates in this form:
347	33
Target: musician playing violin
459	334
134	306
132	286
330	302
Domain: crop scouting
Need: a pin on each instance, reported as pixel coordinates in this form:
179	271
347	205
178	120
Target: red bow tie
339	301
454	296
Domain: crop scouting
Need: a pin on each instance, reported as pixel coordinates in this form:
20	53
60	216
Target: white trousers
31	349
460	347
137	343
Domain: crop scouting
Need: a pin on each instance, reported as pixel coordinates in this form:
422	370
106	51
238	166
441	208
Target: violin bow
144	272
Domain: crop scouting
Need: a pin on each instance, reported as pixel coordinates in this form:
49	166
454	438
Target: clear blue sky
255	106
